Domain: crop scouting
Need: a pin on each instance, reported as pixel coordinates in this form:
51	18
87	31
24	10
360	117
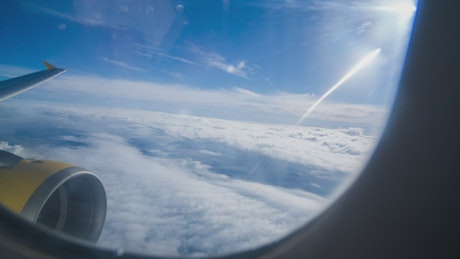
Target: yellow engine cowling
63	197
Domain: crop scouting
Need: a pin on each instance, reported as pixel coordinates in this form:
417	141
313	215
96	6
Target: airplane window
191	128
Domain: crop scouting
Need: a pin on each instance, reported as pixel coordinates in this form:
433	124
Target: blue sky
263	46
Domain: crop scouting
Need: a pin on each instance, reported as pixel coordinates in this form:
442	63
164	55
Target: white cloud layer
235	104
164	200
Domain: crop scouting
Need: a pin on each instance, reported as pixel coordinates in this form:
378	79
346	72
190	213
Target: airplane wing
17	85
60	196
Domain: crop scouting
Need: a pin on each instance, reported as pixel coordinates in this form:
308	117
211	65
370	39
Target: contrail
362	63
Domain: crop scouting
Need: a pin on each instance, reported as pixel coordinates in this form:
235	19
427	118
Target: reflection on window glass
215	126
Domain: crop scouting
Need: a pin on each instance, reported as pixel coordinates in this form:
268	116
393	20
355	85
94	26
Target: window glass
215	126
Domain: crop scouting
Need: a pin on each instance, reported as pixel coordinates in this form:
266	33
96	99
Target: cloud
150	51
174	206
352	131
15	149
179	184
235	104
335	150
122	64
217	61
62	26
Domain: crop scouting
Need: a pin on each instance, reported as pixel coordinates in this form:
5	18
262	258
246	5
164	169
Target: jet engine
63	197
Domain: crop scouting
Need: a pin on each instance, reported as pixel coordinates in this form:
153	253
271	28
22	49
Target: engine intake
63	197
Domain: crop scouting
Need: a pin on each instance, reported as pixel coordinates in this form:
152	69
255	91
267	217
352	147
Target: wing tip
48	65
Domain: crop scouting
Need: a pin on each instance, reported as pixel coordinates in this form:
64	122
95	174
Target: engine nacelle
63	197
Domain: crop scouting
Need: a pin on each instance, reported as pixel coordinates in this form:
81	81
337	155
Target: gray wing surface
17	85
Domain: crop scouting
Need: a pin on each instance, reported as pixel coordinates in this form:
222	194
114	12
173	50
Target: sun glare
405	10
361	64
